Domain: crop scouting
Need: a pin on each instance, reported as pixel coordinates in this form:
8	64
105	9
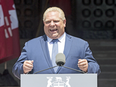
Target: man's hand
27	66
83	64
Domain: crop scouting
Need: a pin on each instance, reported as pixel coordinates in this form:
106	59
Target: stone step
106	82
108	68
106	61
103	48
102	42
104	54
107	75
102	45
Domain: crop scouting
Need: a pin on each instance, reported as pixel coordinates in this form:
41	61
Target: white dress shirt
61	44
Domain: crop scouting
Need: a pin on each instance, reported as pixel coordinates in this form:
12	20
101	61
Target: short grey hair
53	9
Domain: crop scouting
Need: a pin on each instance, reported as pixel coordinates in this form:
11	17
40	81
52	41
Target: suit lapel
46	51
67	45
66	48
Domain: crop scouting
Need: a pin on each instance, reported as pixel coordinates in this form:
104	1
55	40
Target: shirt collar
60	39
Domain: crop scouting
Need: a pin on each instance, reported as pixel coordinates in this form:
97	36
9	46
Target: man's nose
52	23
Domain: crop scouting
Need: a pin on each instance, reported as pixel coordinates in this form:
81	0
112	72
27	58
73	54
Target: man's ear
64	21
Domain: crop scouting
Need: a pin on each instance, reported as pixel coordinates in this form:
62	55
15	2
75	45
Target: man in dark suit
36	55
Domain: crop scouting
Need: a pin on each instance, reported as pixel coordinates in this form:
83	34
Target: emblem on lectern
58	82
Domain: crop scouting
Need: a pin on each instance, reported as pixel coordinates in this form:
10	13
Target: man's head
54	22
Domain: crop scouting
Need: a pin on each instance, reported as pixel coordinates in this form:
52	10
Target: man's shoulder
37	39
76	38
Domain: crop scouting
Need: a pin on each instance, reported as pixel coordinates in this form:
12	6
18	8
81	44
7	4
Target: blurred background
91	20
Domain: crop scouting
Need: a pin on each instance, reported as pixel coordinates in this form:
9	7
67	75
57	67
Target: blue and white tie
54	52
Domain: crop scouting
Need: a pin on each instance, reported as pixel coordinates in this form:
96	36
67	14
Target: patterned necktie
54	52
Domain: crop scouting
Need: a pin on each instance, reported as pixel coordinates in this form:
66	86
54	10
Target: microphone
60	61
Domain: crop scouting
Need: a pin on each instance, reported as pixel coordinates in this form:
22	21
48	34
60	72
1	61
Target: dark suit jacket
37	50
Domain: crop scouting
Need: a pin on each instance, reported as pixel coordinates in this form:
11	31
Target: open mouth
53	30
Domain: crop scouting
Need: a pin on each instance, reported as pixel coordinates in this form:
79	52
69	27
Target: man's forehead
52	13
52	16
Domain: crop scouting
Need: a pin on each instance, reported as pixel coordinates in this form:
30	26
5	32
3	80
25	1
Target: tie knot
55	40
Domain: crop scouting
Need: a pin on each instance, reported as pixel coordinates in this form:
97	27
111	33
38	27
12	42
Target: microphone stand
73	69
45	69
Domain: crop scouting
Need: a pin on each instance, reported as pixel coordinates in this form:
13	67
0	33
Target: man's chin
55	36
